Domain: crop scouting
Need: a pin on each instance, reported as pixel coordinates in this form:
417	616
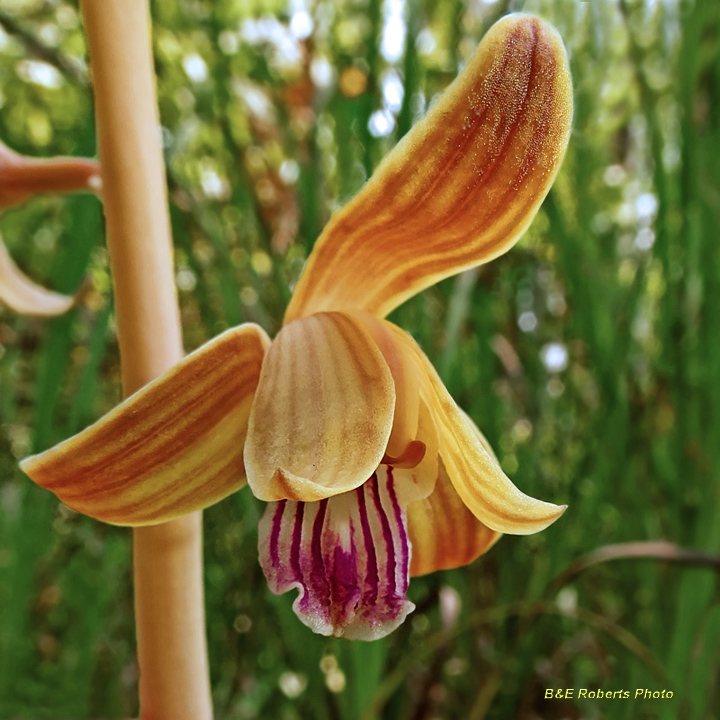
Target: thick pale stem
174	683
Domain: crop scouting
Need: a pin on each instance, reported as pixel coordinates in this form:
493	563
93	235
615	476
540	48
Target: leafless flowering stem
172	651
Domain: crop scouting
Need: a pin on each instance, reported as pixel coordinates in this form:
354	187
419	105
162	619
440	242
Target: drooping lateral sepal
473	470
348	556
444	534
173	447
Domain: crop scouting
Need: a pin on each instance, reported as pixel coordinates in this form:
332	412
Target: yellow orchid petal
444	534
22	177
322	413
407	392
475	474
460	188
173	447
25	297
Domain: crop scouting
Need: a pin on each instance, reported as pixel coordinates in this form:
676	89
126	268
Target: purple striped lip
348	556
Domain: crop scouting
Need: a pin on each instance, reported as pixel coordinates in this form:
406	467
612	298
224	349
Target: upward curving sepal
174	446
460	188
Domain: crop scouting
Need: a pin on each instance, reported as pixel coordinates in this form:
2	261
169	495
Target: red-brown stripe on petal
460	188
173	447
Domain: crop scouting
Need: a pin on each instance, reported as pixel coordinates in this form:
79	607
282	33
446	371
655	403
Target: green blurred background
589	355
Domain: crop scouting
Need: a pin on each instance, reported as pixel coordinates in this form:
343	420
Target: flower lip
348	556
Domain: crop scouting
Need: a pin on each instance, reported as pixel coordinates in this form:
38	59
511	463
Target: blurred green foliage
589	356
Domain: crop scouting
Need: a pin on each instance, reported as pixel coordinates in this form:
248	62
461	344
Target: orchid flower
22	177
370	470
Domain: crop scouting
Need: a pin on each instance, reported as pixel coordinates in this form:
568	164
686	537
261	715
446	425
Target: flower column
172	654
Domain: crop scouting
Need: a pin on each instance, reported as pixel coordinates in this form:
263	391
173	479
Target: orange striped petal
475	474
407	392
173	447
22	177
25	297
444	534
460	188
323	411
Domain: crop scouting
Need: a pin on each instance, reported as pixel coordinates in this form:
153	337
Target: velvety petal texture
323	411
348	556
460	188
173	447
25	297
475	474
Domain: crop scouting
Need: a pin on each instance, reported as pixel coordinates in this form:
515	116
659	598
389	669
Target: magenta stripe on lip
296	535
371	575
400	522
318	577
387	536
276	526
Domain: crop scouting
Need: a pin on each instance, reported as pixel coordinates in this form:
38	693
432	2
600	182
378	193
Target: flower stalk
169	607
